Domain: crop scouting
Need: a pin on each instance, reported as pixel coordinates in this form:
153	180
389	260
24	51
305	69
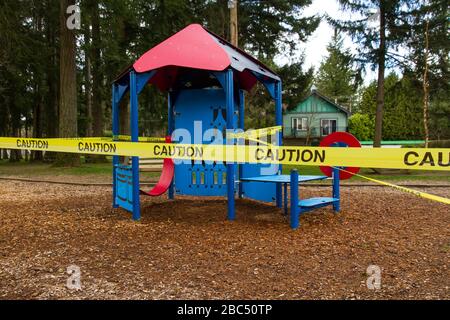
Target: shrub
361	126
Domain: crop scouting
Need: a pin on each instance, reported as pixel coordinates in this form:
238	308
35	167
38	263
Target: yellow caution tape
417	159
257	133
140	139
401	188
114	138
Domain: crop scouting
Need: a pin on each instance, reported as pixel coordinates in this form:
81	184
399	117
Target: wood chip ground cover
185	249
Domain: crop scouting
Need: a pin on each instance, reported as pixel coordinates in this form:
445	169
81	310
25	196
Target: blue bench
300	206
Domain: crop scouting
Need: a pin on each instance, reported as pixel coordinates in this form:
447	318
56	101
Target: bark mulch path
185	249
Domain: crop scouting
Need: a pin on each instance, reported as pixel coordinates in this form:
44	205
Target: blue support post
121	89
295	210
336	191
279	122
142	79
285	192
230	125
241	126
115	132
170	128
134	138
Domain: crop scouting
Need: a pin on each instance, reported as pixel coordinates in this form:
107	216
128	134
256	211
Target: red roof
195	47
191	47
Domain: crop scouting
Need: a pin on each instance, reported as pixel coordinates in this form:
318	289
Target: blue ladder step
316	202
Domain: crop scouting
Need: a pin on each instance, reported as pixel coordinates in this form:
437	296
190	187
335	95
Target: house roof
317	93
195	47
323	97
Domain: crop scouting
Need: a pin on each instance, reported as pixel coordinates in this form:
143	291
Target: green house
315	117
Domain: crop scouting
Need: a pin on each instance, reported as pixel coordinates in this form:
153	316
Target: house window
300	124
328	126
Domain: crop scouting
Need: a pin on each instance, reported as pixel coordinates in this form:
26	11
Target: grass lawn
103	170
23	168
413	175
39	169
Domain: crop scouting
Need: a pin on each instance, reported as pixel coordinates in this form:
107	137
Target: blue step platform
313	203
300	206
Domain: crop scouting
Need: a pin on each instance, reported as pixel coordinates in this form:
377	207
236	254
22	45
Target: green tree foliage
375	43
435	14
260	107
113	34
337	77
296	82
130	27
28	69
440	115
410	33
403	108
268	27
361	126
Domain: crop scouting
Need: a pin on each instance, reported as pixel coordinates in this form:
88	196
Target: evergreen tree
68	111
296	82
374	43
36	88
336	77
427	61
403	107
267	28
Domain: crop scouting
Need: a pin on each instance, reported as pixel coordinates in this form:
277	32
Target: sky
315	48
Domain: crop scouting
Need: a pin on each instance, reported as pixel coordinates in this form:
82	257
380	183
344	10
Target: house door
328	126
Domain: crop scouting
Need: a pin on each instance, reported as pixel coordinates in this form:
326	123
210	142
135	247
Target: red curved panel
339	136
165	179
343	139
192	47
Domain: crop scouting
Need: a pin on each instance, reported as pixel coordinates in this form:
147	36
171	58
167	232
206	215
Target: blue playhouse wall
124	185
261	191
197	111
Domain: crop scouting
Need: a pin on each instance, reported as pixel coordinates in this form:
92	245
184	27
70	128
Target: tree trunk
52	82
51	107
97	110
88	77
68	86
97	81
37	121
426	99
380	83
38	100
15	155
88	93
234	23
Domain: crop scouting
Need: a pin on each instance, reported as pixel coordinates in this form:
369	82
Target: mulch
185	249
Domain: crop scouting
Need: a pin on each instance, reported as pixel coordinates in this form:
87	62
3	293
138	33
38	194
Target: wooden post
232	5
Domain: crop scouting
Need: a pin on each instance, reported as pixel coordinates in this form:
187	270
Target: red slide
165	179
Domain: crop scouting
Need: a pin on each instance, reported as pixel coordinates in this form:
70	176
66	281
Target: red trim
165	179
330	141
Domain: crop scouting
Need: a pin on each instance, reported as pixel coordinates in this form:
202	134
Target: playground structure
205	78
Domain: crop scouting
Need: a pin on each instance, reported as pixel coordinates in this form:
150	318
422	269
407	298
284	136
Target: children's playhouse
205	79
